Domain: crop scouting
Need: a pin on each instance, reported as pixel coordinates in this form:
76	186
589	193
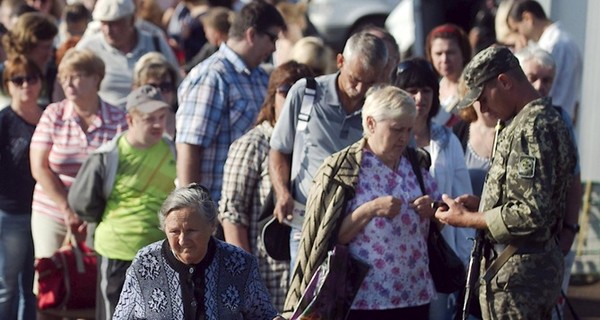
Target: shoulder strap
414	162
156	43
308	101
307	104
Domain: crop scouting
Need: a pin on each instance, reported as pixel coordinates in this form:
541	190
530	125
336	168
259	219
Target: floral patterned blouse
395	248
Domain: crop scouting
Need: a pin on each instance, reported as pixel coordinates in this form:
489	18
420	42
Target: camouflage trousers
526	287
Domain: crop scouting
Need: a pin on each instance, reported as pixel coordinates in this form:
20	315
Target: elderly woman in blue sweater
192	275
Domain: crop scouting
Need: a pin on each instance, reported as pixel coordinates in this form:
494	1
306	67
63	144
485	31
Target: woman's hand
423	205
78	227
355	222
385	206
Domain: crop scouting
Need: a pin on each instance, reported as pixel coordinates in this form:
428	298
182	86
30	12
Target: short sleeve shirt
144	179
395	248
218	102
60	132
330	129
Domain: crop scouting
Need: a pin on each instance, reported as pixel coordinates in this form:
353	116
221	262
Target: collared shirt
566	89
59	131
118	80
246	184
219	101
330	129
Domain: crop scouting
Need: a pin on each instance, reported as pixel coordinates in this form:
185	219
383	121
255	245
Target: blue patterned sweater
158	286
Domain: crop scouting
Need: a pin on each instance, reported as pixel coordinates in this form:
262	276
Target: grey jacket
95	180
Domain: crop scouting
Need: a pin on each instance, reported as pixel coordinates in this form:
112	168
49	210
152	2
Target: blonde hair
81	60
153	64
313	52
387	102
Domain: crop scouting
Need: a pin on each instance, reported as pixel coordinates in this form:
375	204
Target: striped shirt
59	131
218	102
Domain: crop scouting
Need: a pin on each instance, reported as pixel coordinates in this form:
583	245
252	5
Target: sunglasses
272	37
20	80
163	86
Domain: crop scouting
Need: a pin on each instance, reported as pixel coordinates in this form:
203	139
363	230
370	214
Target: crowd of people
159	131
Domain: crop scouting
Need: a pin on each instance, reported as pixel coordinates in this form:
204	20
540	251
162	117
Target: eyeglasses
163	86
75	77
284	89
20	80
272	37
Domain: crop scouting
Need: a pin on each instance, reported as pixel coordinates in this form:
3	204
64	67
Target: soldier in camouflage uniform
523	201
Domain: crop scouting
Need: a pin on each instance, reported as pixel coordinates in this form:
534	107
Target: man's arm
188	164
461	214
279	171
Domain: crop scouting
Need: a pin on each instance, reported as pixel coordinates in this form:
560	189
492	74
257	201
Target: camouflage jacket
525	191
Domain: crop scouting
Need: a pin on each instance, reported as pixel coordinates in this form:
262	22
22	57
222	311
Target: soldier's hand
469	201
284	207
459	216
453	214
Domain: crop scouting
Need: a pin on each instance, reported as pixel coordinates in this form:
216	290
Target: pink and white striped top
60	132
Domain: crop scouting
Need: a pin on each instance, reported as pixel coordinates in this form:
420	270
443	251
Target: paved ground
584	295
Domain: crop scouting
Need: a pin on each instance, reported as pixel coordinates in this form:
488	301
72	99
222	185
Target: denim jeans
295	236
17	300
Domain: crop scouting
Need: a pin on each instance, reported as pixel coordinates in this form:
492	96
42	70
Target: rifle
476	252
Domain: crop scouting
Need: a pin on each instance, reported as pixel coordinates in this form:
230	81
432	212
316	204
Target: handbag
446	269
67	279
332	289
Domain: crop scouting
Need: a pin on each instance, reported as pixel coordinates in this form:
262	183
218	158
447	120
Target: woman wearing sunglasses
417	77
21	79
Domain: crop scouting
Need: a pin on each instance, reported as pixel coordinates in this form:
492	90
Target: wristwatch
573	227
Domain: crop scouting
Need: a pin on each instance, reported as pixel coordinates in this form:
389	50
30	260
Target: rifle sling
495	266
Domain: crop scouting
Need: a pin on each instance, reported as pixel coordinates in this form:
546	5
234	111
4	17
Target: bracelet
573	227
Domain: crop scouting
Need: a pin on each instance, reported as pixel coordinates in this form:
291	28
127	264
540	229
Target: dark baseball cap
146	99
486	65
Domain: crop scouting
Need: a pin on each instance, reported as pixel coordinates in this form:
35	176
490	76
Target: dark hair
452	32
30	29
19	64
533	7
257	14
76	12
419	73
284	75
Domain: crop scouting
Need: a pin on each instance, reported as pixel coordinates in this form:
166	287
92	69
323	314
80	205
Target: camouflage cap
486	65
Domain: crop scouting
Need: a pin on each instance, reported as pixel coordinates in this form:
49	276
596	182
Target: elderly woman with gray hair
192	275
368	197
